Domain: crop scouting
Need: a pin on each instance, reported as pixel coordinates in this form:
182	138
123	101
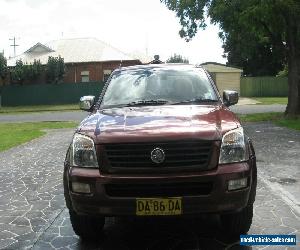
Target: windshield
157	85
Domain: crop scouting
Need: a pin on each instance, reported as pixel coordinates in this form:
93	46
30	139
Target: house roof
143	57
73	51
220	68
39	48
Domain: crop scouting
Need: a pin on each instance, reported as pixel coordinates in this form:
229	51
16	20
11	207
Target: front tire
86	227
237	223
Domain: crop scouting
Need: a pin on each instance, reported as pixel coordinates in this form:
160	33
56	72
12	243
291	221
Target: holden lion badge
157	155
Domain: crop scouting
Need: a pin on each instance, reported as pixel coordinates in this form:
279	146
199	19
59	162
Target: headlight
233	148
83	152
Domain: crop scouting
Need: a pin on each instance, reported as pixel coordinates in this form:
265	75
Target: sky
129	25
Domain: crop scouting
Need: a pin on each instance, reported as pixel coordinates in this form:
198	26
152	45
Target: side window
85	76
106	74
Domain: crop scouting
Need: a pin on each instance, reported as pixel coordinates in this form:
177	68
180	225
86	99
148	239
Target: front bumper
217	200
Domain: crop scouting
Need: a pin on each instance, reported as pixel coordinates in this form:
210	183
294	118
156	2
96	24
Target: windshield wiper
196	100
146	102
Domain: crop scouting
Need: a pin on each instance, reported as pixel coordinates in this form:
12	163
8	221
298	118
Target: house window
85	76
106	74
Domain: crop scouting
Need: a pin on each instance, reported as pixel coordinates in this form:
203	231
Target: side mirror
86	102
230	97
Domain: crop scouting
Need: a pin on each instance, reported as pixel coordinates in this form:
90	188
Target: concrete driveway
33	213
253	109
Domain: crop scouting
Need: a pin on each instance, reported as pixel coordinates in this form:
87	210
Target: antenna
14	45
146	49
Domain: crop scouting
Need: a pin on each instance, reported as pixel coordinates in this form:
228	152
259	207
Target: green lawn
277	118
38	108
13	134
271	100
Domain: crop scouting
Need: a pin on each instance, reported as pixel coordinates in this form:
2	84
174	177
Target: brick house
86	59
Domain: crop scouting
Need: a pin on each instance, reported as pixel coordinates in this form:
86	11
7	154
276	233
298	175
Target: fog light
79	187
237	184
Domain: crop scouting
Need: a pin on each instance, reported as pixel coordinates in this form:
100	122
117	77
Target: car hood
153	123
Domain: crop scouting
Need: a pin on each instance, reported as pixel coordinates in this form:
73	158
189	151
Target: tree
33	71
3	67
257	58
18	72
177	59
275	21
55	69
26	72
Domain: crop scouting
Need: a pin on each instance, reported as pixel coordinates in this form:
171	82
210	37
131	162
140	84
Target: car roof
160	66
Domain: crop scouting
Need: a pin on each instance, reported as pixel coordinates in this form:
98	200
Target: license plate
158	206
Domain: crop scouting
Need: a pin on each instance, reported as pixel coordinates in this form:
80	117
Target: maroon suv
160	141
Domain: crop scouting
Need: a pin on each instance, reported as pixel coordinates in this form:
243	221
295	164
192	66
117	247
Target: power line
14	44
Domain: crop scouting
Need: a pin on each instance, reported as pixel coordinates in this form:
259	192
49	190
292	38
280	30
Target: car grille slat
128	156
177	154
187	154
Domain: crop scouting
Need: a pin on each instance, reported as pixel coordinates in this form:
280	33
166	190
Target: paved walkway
30	189
278	157
246	101
33	213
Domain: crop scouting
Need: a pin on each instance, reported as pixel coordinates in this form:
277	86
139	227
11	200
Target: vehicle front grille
177	154
159	190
